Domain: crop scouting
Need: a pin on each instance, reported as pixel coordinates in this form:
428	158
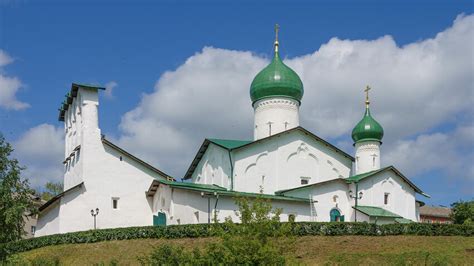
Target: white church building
299	172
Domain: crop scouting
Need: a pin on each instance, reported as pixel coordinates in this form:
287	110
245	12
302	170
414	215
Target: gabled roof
239	144
136	159
283	191
55	198
359	177
439	211
73	94
217	190
376	212
227	144
230	143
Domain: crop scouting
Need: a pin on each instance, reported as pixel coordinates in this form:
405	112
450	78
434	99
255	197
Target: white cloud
416	88
451	152
41	149
109	88
9	86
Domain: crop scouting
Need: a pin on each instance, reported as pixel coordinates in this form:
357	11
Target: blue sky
50	44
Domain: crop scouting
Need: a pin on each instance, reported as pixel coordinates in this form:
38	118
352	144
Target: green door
335	215
159	219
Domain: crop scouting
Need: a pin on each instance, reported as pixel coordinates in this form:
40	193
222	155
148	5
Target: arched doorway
336	216
159	219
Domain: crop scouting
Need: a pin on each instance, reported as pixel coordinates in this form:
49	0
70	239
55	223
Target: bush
252	242
205	230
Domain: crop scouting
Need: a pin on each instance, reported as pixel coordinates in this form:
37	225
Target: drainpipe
231	171
217	200
356	199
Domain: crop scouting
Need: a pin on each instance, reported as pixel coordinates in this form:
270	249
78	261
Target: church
308	178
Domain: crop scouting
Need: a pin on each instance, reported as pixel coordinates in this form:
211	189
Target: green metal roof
376	212
276	79
192	185
403	221
229	143
218	190
359	177
283	191
71	95
367	129
240	144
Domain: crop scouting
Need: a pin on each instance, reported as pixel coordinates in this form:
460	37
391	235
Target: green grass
308	250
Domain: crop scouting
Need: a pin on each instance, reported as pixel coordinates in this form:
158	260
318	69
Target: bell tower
79	112
276	94
367	136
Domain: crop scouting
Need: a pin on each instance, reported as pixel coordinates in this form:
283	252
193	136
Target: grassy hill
309	250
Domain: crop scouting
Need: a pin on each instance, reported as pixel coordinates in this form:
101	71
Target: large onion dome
367	129
277	79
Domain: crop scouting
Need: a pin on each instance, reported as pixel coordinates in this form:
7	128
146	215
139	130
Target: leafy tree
15	195
463	212
52	189
257	240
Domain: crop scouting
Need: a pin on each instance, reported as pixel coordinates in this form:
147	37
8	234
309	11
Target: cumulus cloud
9	86
41	149
416	87
109	88
451	152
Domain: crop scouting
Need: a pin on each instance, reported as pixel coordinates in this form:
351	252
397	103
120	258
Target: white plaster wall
279	163
48	221
181	207
105	176
214	167
367	156
330	195
274	115
401	195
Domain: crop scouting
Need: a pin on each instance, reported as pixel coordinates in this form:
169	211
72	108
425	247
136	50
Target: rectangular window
385	198
33	230
115	203
196	215
305	180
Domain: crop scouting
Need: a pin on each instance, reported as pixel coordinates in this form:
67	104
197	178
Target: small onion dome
367	129
276	79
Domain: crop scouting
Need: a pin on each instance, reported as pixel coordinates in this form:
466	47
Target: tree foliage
51	189
463	212
15	195
252	242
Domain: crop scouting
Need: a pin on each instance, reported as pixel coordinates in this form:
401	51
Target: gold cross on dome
367	89
277	28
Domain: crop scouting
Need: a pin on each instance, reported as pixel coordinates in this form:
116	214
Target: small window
305	180
115	203
33	230
121	159
178	221
196	214
385	198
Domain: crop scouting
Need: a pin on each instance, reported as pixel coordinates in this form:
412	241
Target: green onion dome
367	129
277	79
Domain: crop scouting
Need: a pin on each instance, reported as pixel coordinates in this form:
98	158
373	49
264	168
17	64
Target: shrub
205	230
